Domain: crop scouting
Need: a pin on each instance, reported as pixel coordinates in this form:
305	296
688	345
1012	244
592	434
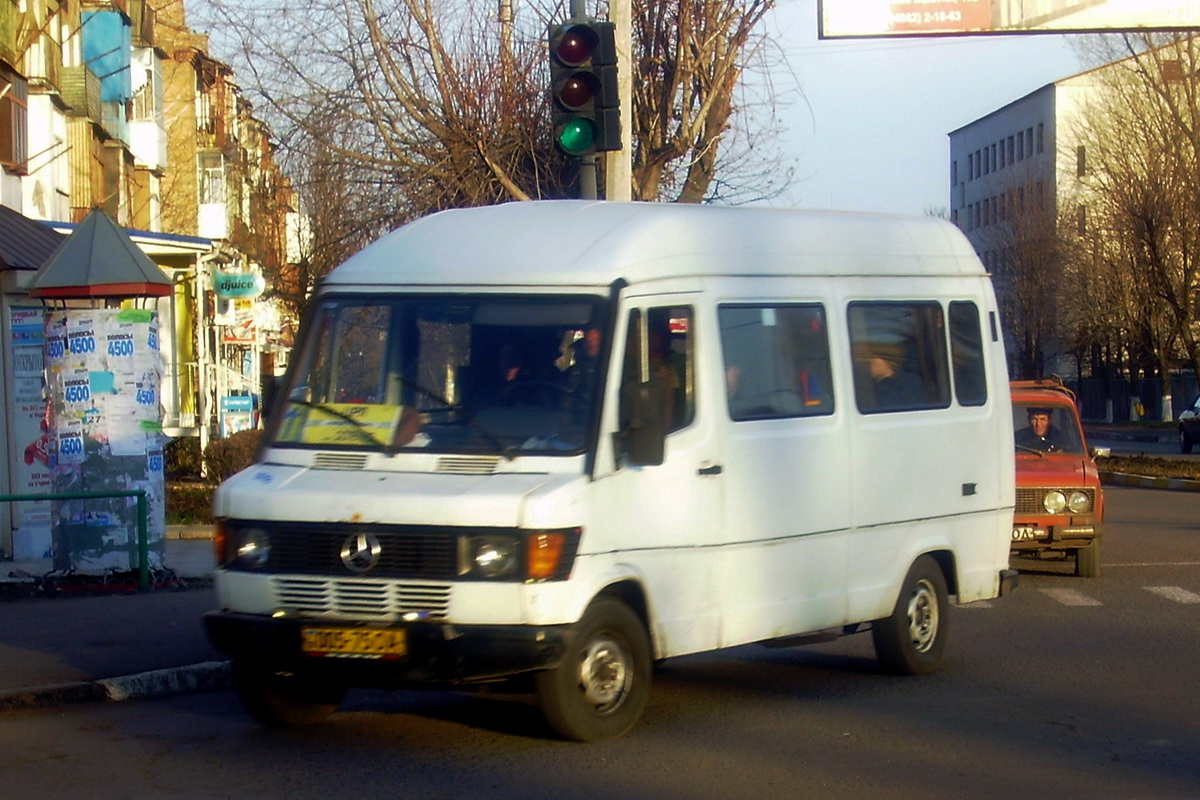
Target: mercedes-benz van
546	445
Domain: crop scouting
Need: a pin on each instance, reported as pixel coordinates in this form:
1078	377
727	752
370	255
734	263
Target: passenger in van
895	387
581	375
1041	433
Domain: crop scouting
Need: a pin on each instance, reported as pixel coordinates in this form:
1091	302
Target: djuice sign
238	284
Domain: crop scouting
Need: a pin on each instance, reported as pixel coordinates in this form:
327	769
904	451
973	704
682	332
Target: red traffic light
577	90
574	44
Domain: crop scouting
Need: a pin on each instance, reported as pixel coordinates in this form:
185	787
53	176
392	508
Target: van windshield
468	374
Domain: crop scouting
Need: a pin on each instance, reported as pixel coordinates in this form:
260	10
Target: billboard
875	18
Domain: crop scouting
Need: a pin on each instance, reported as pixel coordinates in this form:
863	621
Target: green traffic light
576	136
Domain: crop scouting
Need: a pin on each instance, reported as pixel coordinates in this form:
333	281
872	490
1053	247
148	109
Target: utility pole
618	165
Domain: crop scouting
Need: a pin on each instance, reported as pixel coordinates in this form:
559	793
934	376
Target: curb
1147	482
204	677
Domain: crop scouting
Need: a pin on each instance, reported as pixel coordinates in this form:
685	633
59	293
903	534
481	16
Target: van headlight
489	556
1054	501
249	548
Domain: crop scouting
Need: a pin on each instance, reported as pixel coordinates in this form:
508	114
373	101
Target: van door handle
715	469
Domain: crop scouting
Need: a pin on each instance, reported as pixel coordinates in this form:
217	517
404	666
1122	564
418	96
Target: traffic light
583	87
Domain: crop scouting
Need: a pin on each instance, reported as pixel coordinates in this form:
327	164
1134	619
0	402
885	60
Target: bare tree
1025	255
1139	189
690	57
391	109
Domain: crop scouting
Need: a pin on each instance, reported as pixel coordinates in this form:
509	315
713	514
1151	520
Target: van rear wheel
911	641
601	687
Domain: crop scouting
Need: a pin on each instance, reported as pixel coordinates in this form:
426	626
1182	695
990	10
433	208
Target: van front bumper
435	653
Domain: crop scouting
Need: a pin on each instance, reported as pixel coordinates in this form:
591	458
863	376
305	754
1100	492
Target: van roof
593	243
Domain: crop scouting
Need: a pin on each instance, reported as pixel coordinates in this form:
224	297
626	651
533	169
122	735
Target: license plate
354	642
1024	533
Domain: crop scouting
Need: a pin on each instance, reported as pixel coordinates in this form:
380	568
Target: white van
545	445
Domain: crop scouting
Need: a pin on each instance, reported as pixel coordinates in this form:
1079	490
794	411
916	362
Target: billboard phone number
925	17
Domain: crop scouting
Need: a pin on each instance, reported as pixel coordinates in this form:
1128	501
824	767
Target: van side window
666	355
776	361
966	354
899	354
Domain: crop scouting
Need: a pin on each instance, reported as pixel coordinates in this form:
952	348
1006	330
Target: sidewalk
65	648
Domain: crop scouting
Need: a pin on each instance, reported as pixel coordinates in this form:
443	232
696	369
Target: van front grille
427	554
352	598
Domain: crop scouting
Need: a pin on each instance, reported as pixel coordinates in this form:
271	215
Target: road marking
1175	593
1070	597
1156	564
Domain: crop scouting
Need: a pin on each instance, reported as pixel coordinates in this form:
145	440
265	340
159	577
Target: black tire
912	640
1185	441
603	683
1087	560
282	700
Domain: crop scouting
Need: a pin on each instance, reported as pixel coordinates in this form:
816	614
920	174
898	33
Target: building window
1029	141
211	177
1081	220
1011	150
1041	137
1020	147
1080	161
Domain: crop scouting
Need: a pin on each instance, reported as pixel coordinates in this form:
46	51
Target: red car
1060	504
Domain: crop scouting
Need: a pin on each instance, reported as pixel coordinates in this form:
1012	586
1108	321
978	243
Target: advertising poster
103	372
31	433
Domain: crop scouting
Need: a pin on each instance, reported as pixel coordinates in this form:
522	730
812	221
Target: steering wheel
532	392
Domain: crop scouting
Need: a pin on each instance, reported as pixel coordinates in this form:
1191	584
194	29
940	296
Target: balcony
144	19
12	25
81	92
43	65
106	5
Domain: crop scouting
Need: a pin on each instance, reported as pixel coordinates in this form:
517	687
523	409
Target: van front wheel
601	687
911	641
282	700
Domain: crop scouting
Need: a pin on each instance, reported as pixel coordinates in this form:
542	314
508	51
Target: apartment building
118	105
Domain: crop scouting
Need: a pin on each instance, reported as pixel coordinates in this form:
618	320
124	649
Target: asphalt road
1070	688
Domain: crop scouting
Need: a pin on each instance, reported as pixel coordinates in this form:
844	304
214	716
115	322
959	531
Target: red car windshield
1046	429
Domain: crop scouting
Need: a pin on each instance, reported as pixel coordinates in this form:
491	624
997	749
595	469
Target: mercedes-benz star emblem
360	552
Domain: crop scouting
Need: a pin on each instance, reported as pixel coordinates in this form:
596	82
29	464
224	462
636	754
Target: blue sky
870	131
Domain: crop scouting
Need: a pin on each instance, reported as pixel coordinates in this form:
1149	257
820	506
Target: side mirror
1101	452
643	434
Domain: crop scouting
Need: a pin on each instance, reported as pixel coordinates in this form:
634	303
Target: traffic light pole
587	164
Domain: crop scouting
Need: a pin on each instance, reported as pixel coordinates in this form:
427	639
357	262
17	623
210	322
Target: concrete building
1013	178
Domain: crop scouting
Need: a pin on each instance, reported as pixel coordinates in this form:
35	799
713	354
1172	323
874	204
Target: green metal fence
143	543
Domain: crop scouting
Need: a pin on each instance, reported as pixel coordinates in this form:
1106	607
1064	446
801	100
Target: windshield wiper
1034	450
